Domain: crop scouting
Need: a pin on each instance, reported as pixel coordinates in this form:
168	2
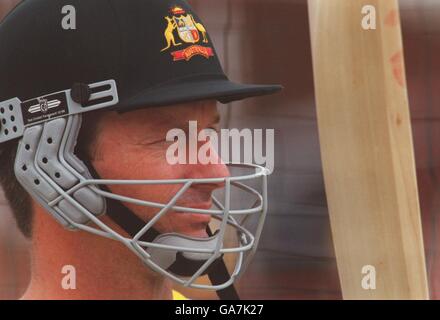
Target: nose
216	168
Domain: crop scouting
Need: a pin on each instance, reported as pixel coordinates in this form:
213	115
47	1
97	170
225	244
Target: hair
18	198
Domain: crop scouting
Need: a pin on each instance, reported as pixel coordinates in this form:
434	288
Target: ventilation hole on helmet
6	131
57	175
2	110
49	141
4	121
24	168
14	129
37	182
27	147
44	160
11	107
12	118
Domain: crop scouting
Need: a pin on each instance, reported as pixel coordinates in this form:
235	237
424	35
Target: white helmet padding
39	169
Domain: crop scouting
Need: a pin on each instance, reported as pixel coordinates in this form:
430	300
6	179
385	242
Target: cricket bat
367	149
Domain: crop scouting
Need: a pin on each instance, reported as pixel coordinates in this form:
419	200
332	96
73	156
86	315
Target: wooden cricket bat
367	149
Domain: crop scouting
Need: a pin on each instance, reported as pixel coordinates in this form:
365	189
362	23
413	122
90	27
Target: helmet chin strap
182	266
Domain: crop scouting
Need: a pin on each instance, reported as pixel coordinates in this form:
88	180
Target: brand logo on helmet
182	24
44	105
44	108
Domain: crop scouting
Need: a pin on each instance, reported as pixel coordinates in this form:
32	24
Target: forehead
203	111
175	116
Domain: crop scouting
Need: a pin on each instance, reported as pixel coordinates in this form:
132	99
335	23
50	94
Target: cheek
135	163
141	164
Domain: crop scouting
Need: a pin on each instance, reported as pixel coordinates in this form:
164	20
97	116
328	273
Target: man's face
133	146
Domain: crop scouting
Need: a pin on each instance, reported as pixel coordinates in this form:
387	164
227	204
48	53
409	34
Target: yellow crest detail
185	27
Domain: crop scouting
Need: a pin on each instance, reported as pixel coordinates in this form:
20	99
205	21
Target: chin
195	233
195	225
188	224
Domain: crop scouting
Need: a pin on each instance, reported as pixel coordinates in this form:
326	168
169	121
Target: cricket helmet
118	55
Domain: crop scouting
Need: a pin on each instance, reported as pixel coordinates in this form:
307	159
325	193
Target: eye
155	142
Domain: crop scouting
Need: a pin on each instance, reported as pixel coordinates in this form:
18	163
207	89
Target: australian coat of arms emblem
183	29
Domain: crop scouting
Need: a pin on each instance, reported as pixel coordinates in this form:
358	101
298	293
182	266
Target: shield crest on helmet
186	28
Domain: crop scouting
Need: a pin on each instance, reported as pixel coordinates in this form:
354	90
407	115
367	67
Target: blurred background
267	41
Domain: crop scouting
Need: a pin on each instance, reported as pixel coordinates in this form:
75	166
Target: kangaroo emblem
202	29
169	34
